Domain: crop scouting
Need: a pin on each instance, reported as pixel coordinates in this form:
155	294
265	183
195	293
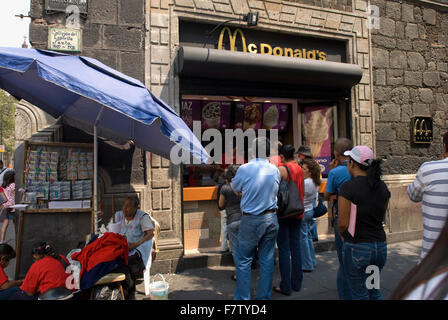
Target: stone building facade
410	55
403	73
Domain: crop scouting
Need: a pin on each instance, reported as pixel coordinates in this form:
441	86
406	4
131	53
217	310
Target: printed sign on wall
62	39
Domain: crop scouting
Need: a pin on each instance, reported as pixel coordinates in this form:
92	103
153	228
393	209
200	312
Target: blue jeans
8	293
289	251
344	292
313	228
232	232
255	231
357	257
306	242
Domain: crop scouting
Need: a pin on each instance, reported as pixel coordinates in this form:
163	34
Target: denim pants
232	232
289	255
255	231
357	257
306	242
313	228
344	292
7	294
224	246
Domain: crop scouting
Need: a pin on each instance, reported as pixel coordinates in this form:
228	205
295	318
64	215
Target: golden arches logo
232	38
422	129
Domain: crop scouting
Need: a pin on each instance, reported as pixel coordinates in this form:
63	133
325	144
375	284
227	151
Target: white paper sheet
352	223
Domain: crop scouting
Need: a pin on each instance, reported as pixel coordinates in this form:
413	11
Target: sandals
278	290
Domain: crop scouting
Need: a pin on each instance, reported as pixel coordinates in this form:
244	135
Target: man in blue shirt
337	176
258	181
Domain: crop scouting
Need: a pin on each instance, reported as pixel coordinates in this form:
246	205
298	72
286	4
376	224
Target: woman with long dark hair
230	201
311	171
362	204
429	279
9	190
289	255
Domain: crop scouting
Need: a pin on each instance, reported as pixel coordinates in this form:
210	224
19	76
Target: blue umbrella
97	99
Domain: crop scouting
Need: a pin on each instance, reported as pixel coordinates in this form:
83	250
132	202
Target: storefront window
221	113
295	124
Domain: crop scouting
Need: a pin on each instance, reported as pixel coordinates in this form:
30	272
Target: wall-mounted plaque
62	39
421	130
61	5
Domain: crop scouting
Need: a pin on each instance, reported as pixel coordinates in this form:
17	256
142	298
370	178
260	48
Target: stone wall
410	66
344	5
112	33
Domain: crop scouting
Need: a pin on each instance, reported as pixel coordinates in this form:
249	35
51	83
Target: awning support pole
95	172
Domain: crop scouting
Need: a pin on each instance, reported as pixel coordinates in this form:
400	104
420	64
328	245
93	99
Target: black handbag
320	209
289	202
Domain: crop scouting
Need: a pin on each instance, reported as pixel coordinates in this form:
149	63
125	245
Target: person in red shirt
276	159
289	252
47	272
7	287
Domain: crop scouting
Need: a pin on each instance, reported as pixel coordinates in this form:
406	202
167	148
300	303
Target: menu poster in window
225	115
318	121
239	115
270	116
275	116
283	116
191	111
252	116
211	114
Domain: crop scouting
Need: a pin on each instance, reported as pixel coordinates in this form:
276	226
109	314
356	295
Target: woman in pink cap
362	205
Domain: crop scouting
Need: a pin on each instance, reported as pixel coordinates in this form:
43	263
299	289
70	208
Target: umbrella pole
95	179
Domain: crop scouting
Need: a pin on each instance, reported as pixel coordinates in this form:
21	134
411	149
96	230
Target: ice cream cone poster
252	116
191	111
318	121
239	115
275	116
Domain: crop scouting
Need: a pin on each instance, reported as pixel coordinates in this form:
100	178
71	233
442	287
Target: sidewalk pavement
215	283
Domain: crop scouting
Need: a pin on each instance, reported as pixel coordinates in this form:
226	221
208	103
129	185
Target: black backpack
289	202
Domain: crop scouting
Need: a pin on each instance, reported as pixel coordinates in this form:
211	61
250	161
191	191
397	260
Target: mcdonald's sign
232	38
266	48
421	130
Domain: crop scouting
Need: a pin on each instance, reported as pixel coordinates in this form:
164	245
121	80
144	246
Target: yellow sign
266	48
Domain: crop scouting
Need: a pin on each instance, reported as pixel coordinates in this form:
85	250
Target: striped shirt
431	187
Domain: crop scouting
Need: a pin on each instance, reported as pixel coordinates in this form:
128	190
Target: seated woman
7	287
47	272
136	226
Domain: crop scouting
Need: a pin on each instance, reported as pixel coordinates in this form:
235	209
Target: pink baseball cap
360	154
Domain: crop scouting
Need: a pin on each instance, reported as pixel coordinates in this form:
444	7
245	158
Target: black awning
207	63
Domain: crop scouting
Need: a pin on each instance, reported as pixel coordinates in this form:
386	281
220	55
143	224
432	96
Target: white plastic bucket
159	289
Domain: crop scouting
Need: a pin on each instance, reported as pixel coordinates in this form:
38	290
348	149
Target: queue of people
251	192
354	181
359	201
